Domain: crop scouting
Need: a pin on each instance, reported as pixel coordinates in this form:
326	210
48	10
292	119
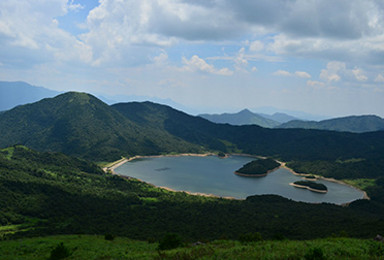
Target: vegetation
312	185
258	167
95	247
45	192
81	125
50	193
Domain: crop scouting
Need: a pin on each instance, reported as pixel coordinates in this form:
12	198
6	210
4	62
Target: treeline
78	198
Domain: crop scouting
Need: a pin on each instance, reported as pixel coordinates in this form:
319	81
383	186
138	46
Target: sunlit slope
80	124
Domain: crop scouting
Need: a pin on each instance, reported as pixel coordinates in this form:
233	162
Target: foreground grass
96	247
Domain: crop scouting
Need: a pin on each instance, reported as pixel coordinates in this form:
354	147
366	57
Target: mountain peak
245	111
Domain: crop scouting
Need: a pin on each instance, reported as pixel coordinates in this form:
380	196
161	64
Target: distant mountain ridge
18	93
355	124
245	117
279	117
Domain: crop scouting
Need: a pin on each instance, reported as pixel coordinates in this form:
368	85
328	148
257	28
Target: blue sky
321	57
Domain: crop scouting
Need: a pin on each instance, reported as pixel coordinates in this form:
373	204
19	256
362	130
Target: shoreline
318	177
193	193
111	168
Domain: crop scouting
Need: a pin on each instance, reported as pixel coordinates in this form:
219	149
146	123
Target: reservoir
213	175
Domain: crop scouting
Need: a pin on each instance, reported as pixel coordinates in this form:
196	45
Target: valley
50	182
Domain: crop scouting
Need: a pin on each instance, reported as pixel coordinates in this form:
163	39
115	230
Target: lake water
212	175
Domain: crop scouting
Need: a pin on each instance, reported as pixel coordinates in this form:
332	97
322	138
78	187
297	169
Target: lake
213	175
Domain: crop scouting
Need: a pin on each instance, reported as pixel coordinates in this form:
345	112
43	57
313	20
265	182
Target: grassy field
96	247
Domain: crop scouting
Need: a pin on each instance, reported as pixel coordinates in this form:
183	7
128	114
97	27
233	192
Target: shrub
60	252
315	253
170	241
109	237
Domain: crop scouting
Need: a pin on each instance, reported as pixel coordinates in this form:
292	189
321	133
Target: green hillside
96	247
81	125
50	193
355	124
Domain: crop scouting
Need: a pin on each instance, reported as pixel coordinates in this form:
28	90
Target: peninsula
258	168
310	185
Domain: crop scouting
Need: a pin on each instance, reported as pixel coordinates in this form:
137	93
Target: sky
321	57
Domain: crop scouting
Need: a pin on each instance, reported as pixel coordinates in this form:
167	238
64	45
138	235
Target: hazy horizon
319	57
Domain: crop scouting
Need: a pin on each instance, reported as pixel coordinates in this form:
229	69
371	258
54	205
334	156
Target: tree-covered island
310	185
258	168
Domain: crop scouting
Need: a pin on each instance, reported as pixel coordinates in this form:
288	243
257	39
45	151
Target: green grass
96	247
362	184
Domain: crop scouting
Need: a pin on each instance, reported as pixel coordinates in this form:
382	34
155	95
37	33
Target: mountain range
354	124
79	124
13	94
246	117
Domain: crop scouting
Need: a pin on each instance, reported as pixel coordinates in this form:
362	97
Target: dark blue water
212	175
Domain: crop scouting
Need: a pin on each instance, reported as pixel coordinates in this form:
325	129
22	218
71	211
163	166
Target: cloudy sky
322	57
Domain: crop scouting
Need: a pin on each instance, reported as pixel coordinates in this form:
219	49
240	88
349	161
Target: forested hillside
50	193
81	125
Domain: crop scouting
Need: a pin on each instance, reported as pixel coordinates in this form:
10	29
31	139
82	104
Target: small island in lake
310	185
258	168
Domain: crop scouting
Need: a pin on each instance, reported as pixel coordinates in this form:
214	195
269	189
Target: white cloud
254	69
314	83
198	64
240	60
30	34
359	75
162	58
256	46
74	7
332	70
379	78
302	74
282	73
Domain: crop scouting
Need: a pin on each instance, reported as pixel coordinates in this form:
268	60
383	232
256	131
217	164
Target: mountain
18	93
81	125
297	114
244	117
356	124
279	117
